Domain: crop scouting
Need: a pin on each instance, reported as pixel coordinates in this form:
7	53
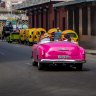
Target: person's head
46	35
58	29
67	36
42	32
52	33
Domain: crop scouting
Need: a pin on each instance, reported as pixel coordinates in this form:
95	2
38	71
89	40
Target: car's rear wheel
34	63
40	66
79	66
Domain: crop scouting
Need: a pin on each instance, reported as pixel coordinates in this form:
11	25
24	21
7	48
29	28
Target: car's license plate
63	56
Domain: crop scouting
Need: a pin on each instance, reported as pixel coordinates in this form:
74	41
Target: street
19	78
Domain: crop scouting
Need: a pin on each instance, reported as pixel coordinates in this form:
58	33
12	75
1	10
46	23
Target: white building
10	3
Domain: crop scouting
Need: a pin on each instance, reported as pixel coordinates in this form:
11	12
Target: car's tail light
84	55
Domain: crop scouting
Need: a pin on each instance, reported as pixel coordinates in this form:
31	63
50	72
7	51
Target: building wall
43	17
62	18
87	39
51	17
82	19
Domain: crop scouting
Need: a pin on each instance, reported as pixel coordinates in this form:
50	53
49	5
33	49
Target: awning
71	2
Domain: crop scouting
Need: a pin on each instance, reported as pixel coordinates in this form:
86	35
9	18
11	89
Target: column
89	21
80	21
67	19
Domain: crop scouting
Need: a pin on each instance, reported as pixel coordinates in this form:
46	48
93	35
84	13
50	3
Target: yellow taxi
30	35
72	34
37	34
51	31
22	34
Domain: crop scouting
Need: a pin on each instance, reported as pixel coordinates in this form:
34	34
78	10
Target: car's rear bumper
61	61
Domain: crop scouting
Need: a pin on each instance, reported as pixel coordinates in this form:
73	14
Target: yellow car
22	35
37	34
52	30
30	35
72	34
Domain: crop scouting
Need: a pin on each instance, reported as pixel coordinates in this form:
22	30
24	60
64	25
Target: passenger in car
41	35
57	35
45	39
67	37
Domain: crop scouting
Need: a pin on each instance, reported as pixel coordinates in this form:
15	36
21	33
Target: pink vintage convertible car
58	53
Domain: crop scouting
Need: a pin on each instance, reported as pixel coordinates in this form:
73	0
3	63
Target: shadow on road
62	68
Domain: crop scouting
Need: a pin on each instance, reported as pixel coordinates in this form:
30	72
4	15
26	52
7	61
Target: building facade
40	12
78	15
81	17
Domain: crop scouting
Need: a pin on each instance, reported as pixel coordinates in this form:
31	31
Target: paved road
19	78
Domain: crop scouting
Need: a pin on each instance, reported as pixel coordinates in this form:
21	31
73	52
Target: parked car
6	31
13	37
58	53
37	34
30	36
72	34
22	36
52	30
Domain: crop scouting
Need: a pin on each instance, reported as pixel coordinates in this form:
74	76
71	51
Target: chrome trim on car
61	61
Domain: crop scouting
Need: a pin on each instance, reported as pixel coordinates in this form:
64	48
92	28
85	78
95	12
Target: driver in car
45	39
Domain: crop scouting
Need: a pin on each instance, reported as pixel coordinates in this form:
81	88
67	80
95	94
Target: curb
91	52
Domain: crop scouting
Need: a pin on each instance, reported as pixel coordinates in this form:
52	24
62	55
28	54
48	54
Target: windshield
15	33
45	40
72	35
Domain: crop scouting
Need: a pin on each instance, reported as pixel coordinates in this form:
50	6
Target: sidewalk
90	51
